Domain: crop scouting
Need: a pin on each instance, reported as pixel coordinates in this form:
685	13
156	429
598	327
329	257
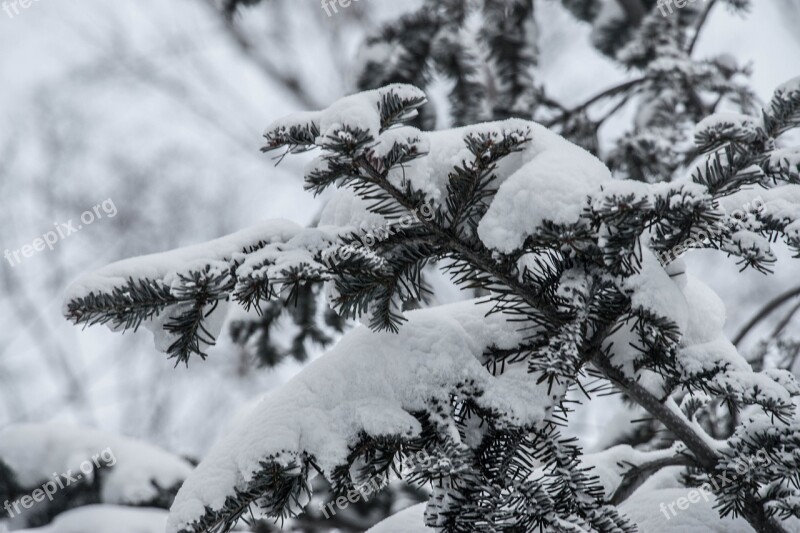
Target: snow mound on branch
106	519
549	179
730	125
780	203
700	316
653	289
647	510
166	265
346	209
357	111
35	451
409	520
553	184
707	313
447	149
788	88
369	382
610	465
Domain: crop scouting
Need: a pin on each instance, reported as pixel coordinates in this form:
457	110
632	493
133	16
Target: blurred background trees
159	106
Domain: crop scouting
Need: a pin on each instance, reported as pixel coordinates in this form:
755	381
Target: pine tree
580	279
575	290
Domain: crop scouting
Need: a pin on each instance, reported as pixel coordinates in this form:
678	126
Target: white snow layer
166	265
549	179
368	382
730	125
654	508
649	510
34	452
409	520
553	183
610	465
106	519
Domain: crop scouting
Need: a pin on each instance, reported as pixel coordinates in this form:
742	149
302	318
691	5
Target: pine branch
637	475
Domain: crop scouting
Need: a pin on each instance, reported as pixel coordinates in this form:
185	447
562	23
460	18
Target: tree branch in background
634	10
622	87
771	306
636	476
287	81
699	26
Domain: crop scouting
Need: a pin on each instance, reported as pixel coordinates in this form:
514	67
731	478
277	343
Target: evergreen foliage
572	287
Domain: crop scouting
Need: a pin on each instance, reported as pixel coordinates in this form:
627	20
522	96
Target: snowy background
159	106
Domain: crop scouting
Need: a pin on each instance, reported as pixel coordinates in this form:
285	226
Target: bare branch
771	306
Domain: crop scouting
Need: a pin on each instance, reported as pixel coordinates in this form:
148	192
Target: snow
403	135
346	209
610	465
368	382
645	509
166	265
651	289
553	183
779	203
410	520
447	149
785	161
357	111
272	260
549	179
703	358
34	452
106	519
707	313
788	88
703	350
654	290
730	125
753	242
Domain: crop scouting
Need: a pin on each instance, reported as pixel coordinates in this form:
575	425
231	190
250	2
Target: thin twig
605	94
771	306
699	26
288	81
636	476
